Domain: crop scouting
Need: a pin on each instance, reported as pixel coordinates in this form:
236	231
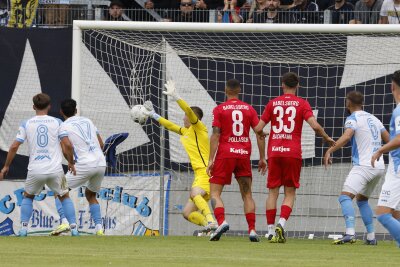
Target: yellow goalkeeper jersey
194	139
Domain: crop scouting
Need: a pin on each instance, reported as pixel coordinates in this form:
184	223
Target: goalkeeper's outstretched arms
149	111
171	91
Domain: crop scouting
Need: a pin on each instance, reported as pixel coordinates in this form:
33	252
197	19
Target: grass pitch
189	251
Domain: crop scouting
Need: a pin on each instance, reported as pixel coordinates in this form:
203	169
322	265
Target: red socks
251	220
271	214
285	212
219	215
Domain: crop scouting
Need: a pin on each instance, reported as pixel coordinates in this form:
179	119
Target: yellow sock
202	205
197	218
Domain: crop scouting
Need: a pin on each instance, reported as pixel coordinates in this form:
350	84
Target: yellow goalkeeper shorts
202	180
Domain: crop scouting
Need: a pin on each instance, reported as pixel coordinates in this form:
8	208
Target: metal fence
63	15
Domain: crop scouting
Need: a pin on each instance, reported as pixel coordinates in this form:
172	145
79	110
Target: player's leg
291	181
271	202
389	200
219	211
248	206
200	194
64	224
190	212
57	182
26	213
274	182
372	178
199	197
95	178
368	218
33	186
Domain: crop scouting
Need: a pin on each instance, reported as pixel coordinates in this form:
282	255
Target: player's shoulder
396	111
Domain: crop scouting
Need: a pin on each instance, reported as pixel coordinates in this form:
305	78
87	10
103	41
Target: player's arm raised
164	122
312	121
171	91
10	157
341	142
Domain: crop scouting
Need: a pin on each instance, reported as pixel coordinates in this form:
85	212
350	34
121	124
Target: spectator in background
258	7
390	12
272	14
209	4
116	11
161	4
367	12
22	13
341	12
3	13
230	13
304	11
188	13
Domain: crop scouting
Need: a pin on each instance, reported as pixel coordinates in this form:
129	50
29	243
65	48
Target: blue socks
95	212
69	211
391	224
348	213
60	209
26	210
366	215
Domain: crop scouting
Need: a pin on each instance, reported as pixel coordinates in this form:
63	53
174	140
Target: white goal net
118	65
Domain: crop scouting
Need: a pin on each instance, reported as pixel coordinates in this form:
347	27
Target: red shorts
223	169
283	171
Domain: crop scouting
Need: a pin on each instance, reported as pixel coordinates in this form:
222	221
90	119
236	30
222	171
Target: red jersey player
230	149
286	114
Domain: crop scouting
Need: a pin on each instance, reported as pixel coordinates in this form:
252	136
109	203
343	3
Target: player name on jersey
285	103
238	139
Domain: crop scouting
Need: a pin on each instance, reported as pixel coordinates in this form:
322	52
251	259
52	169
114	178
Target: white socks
282	222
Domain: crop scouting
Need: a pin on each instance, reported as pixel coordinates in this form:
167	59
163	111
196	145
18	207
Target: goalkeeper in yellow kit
194	137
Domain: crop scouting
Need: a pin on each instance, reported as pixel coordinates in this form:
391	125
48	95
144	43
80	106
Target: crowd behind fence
61	13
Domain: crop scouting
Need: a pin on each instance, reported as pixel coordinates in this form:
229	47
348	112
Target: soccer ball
137	114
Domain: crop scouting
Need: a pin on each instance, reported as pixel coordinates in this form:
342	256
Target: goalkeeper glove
171	90
149	110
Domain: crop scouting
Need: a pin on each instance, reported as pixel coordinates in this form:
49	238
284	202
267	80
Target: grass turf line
188	251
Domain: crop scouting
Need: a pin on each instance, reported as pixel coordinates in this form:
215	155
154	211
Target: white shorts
390	193
362	180
91	178
35	183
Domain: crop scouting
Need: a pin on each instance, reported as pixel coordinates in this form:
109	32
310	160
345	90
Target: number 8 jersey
234	118
43	135
286	114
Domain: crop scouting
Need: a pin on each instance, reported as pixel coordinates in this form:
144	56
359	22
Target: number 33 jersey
234	118
43	135
286	114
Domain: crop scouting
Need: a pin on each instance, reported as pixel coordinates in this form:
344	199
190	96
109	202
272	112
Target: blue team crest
373	129
6	227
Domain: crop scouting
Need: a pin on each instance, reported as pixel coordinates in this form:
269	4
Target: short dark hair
68	107
355	97
198	112
233	84
290	79
116	3
396	77
41	101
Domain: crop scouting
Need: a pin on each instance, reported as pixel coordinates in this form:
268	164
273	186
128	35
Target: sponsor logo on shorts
240	151
280	149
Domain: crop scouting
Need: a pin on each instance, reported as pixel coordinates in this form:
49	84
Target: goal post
119	64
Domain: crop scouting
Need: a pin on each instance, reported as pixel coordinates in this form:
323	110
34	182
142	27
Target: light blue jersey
42	134
366	139
394	155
